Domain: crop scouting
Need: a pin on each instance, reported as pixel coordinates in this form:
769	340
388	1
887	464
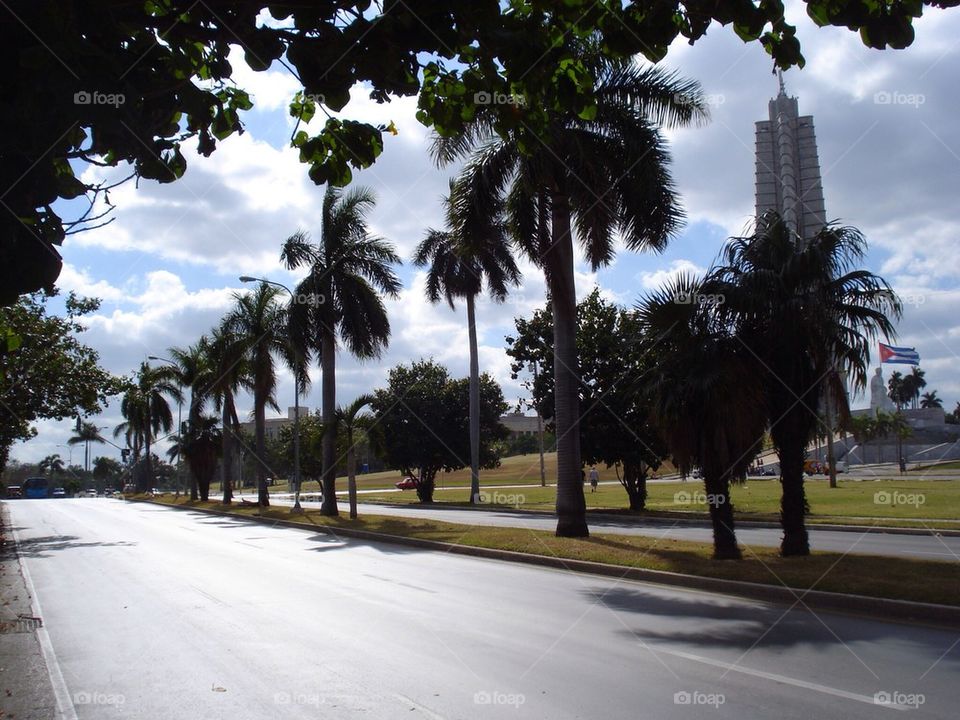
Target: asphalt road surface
157	613
868	542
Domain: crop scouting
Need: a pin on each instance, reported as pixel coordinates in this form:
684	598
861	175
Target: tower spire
783	89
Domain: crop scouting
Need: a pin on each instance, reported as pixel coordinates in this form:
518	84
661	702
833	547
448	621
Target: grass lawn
864	575
515	470
758	499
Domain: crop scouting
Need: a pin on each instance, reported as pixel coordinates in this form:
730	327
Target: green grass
895	578
758	499
515	470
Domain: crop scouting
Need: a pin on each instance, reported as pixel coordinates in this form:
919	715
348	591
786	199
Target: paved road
158	613
868	542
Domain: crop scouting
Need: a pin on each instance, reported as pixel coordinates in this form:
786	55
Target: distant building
788	167
272	425
519	424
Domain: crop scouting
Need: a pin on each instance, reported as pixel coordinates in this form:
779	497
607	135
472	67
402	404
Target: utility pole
543	474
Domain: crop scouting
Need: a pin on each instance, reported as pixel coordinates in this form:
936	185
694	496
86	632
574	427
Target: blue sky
889	146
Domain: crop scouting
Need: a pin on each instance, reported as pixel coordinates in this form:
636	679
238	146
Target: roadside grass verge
907	503
893	578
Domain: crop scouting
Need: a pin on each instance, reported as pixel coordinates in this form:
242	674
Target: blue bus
36	487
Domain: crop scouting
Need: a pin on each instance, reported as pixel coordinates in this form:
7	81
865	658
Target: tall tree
227	361
420	427
807	310
603	174
46	372
930	400
351	422
87	434
473	250
147	413
615	426
259	321
705	398
201	449
340	299
193	372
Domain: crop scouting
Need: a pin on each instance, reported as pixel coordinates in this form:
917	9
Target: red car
408	483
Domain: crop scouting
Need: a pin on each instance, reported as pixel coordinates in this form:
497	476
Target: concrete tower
788	168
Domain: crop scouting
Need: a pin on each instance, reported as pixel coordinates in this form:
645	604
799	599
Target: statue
879	400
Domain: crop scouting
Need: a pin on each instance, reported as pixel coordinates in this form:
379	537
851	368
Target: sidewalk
25	689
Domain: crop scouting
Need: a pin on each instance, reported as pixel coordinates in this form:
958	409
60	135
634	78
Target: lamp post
171	363
543	474
296	404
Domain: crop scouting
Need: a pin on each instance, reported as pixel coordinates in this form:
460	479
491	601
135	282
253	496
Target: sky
167	268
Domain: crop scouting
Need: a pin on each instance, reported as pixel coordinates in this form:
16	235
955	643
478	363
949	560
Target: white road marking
60	691
816	687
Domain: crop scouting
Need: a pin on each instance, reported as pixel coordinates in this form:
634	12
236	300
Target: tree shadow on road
41	547
717	621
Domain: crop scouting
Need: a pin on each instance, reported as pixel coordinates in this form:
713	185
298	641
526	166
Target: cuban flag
899	355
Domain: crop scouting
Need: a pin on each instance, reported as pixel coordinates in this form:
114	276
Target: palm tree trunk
474	401
260	412
352	478
571	504
328	366
793	502
148	464
226	462
717	485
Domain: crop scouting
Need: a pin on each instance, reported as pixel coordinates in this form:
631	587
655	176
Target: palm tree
472	250
604	175
87	434
228	375
201	448
192	371
147	413
52	465
704	396
915	383
340	297
350	421
930	400
259	322
809	315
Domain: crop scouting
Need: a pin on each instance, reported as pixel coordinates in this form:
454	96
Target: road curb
860	605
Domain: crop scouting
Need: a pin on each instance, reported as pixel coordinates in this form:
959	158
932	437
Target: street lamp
179	421
543	474
296	404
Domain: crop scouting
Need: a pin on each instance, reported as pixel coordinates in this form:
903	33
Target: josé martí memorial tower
788	167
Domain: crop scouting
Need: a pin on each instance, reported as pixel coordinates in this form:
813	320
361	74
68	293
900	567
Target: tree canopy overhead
106	82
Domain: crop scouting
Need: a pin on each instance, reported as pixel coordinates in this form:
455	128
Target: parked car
58	493
14	491
89	493
408	483
129	488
